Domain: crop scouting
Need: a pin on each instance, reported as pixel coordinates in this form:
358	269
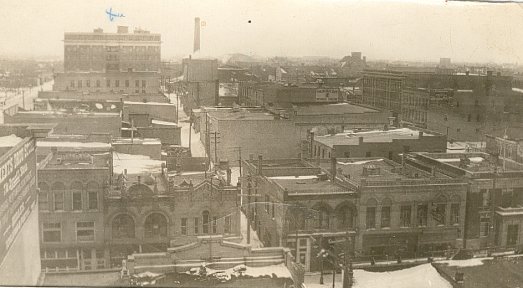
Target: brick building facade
386	208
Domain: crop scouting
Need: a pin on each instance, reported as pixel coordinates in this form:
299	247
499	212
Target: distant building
383	89
122	62
414	106
200	85
106	52
279	133
444	63
260	94
353	65
127	82
388	144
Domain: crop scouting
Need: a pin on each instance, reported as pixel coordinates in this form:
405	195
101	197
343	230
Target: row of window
123	225
205	225
438	213
52	232
79	83
54	201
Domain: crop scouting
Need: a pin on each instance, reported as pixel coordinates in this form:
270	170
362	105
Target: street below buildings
197	148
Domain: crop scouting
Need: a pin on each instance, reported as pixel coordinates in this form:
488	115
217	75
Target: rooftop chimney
196	34
260	161
360	140
420	134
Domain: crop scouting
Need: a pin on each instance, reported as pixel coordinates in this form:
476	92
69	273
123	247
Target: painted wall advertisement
17	192
327	95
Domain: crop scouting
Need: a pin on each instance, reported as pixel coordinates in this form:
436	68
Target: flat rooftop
137	141
74	145
355	169
149	103
475	162
77	161
58	113
337	108
136	164
309	184
241	114
352	138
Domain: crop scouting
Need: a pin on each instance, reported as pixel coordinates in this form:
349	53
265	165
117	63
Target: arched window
123	227
155	226
345	217
43	197
370	217
323	217
385	213
76	191
58	195
92	195
205	215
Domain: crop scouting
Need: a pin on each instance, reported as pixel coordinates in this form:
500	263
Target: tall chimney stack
196	34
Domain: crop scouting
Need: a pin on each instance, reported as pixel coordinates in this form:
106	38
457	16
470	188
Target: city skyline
465	32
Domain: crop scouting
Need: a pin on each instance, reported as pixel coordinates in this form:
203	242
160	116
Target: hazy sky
395	30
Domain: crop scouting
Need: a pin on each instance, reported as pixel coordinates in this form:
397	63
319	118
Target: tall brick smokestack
196	34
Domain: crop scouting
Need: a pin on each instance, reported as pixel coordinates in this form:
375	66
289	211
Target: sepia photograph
261	143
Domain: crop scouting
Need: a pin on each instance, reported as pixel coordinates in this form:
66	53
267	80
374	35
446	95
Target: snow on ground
69	144
472	159
10	140
421	276
416	277
148	103
359	162
159	122
135	164
255	242
466	263
280	271
294	177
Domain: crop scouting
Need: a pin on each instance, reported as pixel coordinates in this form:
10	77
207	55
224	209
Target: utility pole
190	132
177	108
132	131
211	220
207	142
215	149
248	210
347	269
240	159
